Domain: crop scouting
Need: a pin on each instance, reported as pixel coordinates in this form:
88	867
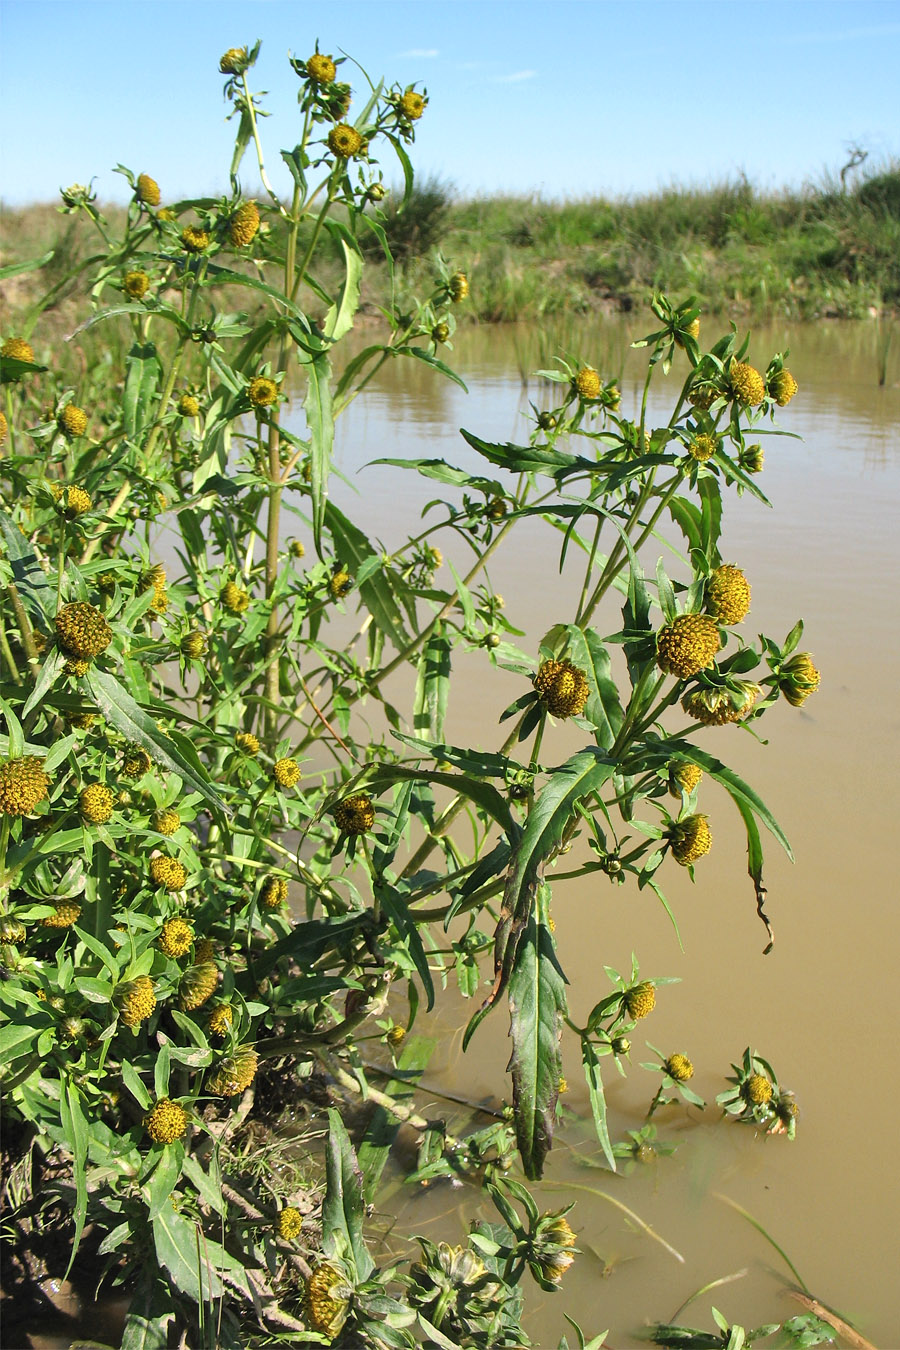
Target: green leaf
537	1003
482	794
17	269
432	687
134	1085
149	1313
421	355
603	708
528	459
180	1249
320	420
47	677
38	596
591	1062
353	548
143	371
120	709
344	1206
397	910
15	741
383	1127
339	319
165	1178
75	1128
581	775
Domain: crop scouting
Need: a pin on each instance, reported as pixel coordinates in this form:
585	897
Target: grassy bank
815	253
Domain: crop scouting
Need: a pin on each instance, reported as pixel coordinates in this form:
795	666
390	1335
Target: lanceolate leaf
537	1002
339	319
120	709
75	1128
432	687
591	1062
344	1208
353	548
149	1313
603	707
141	382
37	595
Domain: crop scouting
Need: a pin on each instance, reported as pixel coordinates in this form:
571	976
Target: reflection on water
820	1004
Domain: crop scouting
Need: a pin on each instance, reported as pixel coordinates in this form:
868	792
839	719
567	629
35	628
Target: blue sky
574	98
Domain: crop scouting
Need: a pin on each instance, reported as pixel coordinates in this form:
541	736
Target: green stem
60	560
8	656
264	177
4	844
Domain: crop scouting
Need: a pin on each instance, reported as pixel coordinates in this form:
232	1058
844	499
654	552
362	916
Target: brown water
822	1005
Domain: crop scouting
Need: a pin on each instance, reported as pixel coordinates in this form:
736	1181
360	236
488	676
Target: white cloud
419	52
515	77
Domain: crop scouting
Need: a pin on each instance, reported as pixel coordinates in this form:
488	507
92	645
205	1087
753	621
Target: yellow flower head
640	1000
440	332
716	707
262	392
286	772
23	784
320	69
243	225
12	930
587	383
757	1090
289	1223
691	839
71	502
188	405
458	286
135	762
17	349
728	594
355	814
327	1299
562	688
680	1068
96	804
747	385
136	1000
147	190
752	458
166	821
136	285
72	421
176	937
412	105
246	741
194	240
194	645
168	872
703	447
232	61
798	679
345	141
4	428
219	1021
298	548
783	387
340	583
274	892
167	1122
234	1073
198	983
82	631
204	950
233	598
684	778
67	913
688	645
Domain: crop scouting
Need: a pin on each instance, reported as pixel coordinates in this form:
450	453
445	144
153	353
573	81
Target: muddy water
821	1006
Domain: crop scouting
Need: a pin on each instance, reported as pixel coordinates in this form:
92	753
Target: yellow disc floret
188	405
783	387
688	645
458	286
562	688
691	839
340	583
176	937
798	678
66	914
166	821
23	784
72	421
273	893
703	447
262	392
72	501
17	349
344	141
244	225
198	983
136	1000
355	814
286	772
168	872
234	1073
716	706
219	1021
327	1299
757	1090
95	804
412	105
684	778
640	1000
680	1068
728	594
320	69
82	630
232	61
136	285
135	762
246	741
747	385
587	383
194	240
289	1223
233	598
147	190
167	1122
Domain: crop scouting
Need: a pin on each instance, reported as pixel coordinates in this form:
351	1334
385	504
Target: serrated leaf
75	1129
591	1063
436	364
353	548
339	319
320	421
432	687
603	708
37	595
143	372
